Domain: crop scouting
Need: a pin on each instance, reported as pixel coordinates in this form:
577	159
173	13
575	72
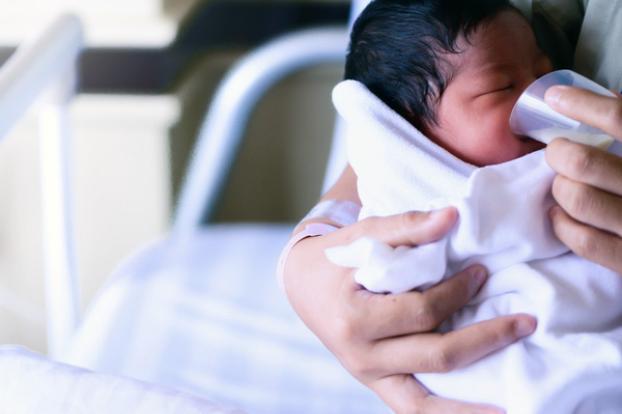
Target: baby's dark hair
396	49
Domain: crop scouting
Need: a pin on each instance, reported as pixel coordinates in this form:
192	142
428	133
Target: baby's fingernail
553	95
525	326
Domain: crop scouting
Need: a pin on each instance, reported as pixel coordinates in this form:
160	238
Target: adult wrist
338	212
325	217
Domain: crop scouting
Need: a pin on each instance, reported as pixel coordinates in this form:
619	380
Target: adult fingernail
495	410
447	212
478	276
553	95
438	212
525	326
554	211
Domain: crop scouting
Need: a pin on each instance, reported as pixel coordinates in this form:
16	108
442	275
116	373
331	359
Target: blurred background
146	78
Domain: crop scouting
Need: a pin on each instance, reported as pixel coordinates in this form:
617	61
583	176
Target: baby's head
453	68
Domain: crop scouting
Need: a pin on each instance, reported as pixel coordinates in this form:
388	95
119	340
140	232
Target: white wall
139	23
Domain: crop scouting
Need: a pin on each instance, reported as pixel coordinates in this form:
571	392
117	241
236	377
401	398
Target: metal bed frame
44	69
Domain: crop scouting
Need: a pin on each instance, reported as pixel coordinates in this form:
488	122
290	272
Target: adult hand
588	188
383	339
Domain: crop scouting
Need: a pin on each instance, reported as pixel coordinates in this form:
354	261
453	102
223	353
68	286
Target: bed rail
221	133
43	70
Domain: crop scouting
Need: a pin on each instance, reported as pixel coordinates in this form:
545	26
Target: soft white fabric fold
502	208
504	225
32	384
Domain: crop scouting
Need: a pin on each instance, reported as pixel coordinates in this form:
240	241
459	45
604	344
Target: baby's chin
516	148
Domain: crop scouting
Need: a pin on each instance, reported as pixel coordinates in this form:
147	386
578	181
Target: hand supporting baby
589	185
366	331
382	339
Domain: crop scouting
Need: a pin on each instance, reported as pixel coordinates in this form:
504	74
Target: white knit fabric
503	225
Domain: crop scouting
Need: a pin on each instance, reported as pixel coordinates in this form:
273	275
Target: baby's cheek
500	127
485	148
496	127
501	145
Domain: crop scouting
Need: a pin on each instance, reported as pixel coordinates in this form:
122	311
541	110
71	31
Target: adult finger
404	394
599	111
410	228
586	164
382	316
444	352
595	245
589	205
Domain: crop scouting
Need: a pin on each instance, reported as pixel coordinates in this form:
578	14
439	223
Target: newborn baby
430	90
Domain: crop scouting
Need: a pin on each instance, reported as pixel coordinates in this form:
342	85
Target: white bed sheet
33	384
210	318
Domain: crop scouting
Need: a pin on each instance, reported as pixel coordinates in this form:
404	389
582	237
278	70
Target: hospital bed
42	71
198	310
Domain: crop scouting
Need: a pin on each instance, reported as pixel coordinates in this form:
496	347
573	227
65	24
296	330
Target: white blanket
503	225
32	384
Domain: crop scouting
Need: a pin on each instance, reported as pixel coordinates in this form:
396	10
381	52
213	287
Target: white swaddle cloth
504	225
